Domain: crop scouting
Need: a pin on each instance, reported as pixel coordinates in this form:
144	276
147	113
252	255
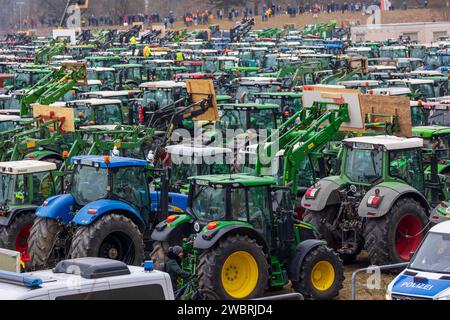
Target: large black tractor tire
236	268
112	236
159	254
321	275
15	235
319	219
41	243
391	238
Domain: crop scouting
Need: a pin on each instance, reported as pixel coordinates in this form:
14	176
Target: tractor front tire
391	238
236	268
41	243
319	219
15	235
321	275
112	236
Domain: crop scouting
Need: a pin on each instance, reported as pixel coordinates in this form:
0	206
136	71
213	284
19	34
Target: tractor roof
4	118
189	150
278	94
26	166
249	106
109	94
163	85
94	102
101	69
235	180
115	162
389	142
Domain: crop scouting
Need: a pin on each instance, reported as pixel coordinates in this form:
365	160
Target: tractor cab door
130	185
407	165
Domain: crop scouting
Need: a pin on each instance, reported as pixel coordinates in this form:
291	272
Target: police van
88	279
427	276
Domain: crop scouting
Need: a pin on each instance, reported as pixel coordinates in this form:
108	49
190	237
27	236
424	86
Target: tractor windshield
160	98
433	255
210	66
424	90
22	80
89	184
6	126
439	117
208	203
108	114
363	165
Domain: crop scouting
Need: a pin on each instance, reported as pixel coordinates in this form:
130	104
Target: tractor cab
421	89
247	86
248	116
289	102
188	160
103	61
219	64
160	94
362	85
394	52
80	52
24	185
27	78
96	111
106	75
129	76
8	122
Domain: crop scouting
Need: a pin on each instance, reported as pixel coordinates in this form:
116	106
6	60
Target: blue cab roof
115	162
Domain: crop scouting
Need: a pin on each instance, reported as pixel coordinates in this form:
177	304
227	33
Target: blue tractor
107	211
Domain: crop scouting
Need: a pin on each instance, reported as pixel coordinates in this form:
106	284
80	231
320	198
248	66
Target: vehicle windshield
89	184
433	61
262	119
363	165
108	114
162	98
433	255
208	203
6	188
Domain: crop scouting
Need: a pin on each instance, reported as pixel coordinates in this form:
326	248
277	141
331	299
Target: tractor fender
94	210
299	254
326	196
208	238
165	231
390	193
5	221
57	207
39	155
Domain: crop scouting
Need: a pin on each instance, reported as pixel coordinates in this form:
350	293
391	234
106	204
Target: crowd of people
206	17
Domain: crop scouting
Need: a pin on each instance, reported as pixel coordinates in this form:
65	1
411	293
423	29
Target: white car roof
26	166
443	227
389	142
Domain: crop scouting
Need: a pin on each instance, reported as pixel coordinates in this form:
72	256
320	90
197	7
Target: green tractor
380	201
241	240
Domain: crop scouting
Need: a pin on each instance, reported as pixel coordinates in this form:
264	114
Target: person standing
133	44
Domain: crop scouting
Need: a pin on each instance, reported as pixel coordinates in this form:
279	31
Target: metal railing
385	267
286	296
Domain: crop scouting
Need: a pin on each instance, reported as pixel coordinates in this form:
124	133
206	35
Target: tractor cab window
239	204
89	184
210	66
21	191
208	203
363	165
43	186
6	189
155	99
233	120
419	116
306	177
108	114
425	90
439	117
262	119
130	185
259	209
407	165
6	126
22	80
83	113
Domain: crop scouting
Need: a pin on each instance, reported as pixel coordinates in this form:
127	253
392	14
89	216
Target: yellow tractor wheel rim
322	275
240	274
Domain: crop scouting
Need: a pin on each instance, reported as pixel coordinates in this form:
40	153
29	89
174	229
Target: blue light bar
17	278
